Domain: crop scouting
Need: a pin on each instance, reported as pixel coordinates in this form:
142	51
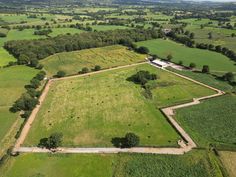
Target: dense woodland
27	52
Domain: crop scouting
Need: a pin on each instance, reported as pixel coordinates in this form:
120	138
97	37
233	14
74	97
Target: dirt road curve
185	146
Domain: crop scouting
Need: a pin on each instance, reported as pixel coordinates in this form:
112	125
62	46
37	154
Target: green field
92	110
220	36
208	79
26	34
12	82
106	57
5	57
213	121
216	61
193	164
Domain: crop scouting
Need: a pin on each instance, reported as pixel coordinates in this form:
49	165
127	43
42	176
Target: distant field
193	164
12	82
58	31
216	61
92	110
229	161
220	36
5	57
213	121
107	27
20	35
106	57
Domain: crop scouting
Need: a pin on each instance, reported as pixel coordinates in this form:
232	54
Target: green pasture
163	48
5	57
92	110
106	57
12	82
229	160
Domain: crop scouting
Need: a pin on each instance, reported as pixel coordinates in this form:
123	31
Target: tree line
28	52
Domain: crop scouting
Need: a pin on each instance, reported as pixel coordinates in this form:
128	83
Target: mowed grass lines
213	121
194	164
12	82
106	57
49	165
92	110
216	61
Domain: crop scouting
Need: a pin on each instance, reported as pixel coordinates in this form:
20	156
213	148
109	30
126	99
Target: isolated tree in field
52	142
142	50
229	77
233	35
61	74
84	70
192	65
169	57
205	69
142	77
97	68
210	35
131	140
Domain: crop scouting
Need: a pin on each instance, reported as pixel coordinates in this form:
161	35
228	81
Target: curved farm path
186	145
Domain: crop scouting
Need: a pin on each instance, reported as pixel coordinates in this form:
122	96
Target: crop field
92	110
5	57
229	160
107	27
216	61
193	164
106	57
12	82
218	115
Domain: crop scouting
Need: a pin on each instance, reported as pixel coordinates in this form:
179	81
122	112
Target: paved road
185	146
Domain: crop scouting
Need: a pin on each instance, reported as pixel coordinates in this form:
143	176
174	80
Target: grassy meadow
218	115
5	57
106	57
193	164
92	110
12	82
216	61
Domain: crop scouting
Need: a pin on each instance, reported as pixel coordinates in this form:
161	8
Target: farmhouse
160	63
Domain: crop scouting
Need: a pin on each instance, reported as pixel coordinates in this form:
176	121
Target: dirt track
169	113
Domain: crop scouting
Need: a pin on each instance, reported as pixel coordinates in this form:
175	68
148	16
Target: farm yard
105	57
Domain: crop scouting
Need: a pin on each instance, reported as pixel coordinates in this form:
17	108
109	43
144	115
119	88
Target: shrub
61	74
205	69
131	140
